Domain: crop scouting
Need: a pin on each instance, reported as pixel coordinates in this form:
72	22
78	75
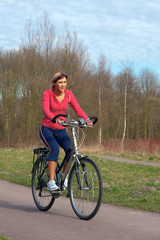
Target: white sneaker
65	185
51	186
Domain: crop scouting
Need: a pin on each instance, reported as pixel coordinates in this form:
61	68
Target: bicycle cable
82	138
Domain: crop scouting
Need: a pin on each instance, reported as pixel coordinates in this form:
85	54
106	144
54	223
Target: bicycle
85	186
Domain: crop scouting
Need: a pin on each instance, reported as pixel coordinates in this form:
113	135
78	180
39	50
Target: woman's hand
58	121
89	123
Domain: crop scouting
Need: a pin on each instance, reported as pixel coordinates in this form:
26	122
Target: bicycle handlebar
80	123
94	118
57	116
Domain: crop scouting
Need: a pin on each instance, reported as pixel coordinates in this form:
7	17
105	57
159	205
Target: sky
126	32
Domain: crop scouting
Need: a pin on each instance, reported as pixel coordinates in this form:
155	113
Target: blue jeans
53	139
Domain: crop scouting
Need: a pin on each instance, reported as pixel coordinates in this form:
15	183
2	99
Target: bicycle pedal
56	193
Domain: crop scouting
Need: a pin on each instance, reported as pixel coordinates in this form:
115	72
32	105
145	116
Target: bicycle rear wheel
42	198
85	189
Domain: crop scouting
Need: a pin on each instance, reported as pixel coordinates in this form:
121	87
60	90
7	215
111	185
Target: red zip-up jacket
51	107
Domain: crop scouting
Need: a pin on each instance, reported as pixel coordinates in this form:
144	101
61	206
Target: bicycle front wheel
85	189
42	198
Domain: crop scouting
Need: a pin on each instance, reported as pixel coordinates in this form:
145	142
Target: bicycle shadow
10	205
31	209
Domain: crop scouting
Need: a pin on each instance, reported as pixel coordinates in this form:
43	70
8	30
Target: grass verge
125	184
4	238
138	157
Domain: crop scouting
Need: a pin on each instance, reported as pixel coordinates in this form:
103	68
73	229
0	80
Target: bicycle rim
86	197
42	198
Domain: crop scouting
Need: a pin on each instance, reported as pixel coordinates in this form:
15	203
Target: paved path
21	220
128	160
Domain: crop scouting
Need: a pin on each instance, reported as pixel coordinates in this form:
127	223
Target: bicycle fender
35	164
82	157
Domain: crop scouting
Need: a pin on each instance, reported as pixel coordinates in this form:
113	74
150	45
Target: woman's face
60	85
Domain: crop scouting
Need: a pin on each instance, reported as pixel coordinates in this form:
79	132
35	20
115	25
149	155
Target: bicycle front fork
82	181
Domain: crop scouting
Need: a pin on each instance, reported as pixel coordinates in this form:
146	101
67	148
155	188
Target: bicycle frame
73	155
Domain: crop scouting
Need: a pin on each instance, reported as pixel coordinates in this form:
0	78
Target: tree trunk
125	113
100	127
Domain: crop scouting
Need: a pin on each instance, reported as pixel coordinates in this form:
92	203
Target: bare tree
126	93
149	84
104	93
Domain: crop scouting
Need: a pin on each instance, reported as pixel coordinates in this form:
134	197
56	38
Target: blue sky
125	31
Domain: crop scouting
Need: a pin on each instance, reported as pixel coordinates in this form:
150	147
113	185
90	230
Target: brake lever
64	123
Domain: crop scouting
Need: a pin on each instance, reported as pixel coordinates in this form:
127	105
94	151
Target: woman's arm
46	105
76	107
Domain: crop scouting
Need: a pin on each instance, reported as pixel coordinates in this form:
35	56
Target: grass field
130	185
4	238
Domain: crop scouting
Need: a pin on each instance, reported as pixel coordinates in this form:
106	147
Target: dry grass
134	147
138	146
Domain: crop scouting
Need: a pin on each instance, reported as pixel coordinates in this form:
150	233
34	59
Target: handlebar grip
94	118
57	116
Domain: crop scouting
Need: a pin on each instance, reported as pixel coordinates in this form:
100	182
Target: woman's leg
47	135
64	141
52	168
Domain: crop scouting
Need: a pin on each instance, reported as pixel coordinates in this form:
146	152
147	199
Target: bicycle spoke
43	199
87	195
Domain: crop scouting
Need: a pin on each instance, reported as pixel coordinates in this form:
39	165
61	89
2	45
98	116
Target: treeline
127	104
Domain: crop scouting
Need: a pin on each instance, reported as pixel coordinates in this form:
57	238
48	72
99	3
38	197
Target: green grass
125	184
131	185
4	238
138	157
16	165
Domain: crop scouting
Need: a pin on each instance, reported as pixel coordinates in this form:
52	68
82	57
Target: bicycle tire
87	200
42	198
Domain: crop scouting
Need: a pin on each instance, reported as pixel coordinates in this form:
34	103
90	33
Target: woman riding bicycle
55	101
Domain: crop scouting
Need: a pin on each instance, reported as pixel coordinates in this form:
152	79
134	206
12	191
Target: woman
55	101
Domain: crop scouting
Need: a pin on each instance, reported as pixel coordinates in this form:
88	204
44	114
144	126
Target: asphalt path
127	160
21	220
